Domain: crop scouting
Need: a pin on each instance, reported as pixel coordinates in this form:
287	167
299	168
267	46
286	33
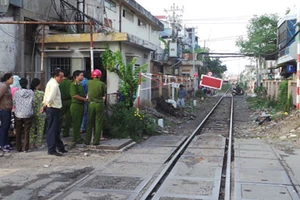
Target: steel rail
229	150
150	190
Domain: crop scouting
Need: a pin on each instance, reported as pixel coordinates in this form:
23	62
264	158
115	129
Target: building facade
287	44
122	25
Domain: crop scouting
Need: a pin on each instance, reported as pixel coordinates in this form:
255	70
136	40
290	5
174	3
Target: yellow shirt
52	97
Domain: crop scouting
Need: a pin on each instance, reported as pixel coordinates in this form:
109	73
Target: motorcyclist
238	89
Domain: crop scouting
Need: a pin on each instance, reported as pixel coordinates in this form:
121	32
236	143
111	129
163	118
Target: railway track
198	166
182	170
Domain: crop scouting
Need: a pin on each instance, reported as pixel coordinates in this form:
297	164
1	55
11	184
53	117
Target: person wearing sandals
38	121
6	105
23	103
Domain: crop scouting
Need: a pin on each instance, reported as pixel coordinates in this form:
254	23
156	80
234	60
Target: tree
128	73
261	39
214	65
261	36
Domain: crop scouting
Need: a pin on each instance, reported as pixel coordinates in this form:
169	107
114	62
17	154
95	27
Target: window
62	63
285	34
128	15
107	22
142	23
109	4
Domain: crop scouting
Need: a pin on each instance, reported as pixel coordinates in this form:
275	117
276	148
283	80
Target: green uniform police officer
77	104
96	95
64	115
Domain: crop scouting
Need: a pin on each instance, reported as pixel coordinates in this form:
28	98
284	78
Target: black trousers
53	132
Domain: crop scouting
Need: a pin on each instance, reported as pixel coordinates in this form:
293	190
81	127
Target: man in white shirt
52	104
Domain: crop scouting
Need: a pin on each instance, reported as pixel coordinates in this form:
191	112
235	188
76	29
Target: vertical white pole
194	69
91	46
298	77
298	62
173	92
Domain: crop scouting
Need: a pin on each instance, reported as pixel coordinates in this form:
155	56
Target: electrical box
173	49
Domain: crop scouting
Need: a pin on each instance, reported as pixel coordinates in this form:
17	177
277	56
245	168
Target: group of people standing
62	97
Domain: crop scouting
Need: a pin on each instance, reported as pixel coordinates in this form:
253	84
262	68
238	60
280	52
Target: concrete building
123	25
287	44
178	58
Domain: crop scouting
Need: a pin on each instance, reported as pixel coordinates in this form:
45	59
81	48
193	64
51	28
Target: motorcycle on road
237	91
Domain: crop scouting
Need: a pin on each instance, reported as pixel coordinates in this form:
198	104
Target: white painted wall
76	64
142	57
131	27
7	45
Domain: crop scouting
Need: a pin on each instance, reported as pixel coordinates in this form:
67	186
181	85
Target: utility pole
174	20
298	61
194	69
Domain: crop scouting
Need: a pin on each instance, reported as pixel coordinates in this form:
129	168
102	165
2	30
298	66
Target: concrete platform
208	142
142	158
110	145
108	187
188	189
259	173
247	191
131	169
88	195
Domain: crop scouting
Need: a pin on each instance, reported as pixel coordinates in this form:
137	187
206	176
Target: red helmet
96	73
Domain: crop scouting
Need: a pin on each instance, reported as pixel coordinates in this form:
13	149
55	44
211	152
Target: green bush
124	122
225	87
285	102
260	91
258	102
200	94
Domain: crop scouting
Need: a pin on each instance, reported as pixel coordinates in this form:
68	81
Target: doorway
97	65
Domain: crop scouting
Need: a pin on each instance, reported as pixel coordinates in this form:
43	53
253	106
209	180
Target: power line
216	23
227	54
223	18
233	56
218	19
223	38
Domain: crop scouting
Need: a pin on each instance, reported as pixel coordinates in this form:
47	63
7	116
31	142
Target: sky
219	23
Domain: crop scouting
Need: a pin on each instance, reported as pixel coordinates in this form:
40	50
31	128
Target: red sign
211	82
